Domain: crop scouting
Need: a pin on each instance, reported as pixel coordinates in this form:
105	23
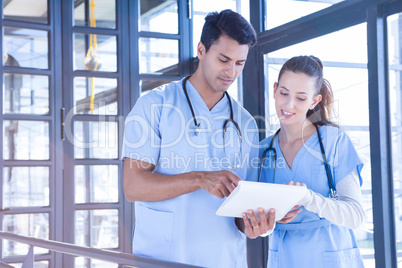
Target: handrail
92	253
5	265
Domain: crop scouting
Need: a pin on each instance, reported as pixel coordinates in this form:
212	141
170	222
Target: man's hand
219	183
254	228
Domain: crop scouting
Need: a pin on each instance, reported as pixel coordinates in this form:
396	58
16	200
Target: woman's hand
295	210
290	215
253	227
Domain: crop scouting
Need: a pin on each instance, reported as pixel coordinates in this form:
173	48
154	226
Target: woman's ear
275	88
316	100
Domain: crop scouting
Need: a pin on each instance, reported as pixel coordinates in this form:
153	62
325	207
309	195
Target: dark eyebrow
226	57
300	92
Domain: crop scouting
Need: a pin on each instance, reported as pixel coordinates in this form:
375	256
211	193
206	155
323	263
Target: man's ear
200	50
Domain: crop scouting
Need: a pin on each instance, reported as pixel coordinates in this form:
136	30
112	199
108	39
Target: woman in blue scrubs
321	234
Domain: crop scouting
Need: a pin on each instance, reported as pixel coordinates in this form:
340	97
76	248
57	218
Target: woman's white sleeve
347	210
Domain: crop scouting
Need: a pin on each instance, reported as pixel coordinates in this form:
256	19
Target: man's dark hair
230	23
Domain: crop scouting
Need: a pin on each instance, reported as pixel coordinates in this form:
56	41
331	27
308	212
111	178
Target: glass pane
346	70
155	14
159	56
26	10
95	140
97	228
33	225
95	52
104	95
148	84
25	48
395	84
334	47
282	11
27	94
25	186
103	14
26	140
81	262
96	184
201	8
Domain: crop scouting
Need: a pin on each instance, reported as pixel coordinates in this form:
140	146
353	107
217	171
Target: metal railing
120	258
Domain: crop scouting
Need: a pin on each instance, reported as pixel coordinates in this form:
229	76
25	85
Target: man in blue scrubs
179	165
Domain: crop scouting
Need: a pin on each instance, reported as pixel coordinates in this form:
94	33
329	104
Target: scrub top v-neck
291	172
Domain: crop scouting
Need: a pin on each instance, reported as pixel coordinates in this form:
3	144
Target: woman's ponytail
322	113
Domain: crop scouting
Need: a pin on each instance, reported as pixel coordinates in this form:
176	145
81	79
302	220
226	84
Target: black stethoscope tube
197	125
264	154
225	124
332	194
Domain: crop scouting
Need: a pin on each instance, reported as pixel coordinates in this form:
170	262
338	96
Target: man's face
223	62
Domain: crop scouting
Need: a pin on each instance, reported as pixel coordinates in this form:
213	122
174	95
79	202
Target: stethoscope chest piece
198	129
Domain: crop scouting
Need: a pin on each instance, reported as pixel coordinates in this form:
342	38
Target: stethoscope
267	151
272	150
225	124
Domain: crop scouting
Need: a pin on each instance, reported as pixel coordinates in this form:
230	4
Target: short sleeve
345	159
141	132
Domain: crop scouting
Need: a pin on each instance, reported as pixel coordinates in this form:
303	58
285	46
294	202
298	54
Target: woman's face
294	95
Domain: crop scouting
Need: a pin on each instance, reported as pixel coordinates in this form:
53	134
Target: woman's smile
287	114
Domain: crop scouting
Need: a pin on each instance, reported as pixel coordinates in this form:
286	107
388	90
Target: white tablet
253	195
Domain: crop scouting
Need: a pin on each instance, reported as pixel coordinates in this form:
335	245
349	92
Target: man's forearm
141	184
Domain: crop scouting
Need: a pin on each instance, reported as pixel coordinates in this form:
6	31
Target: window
395	86
282	11
27	163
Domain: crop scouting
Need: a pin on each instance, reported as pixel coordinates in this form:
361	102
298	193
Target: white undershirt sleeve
347	210
269	231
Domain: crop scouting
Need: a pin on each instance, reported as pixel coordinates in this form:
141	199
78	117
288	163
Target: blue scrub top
311	241
160	130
